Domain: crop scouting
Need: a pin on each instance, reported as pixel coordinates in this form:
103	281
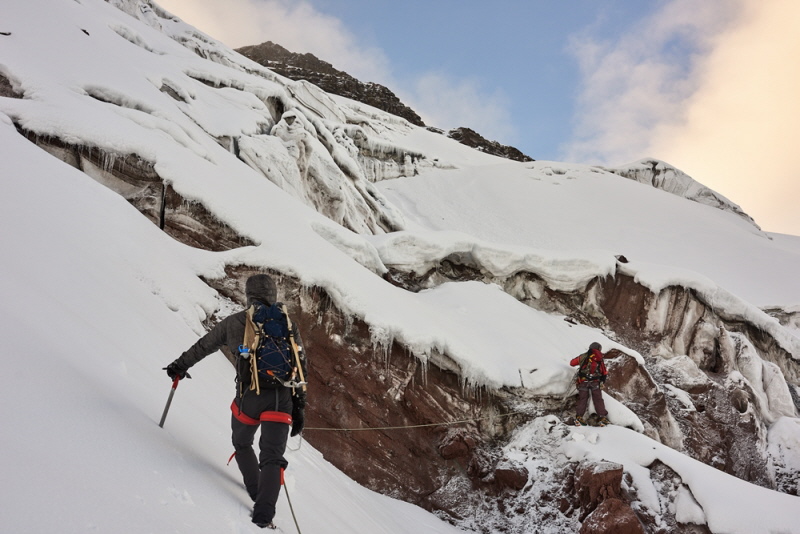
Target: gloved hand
299	400
175	370
298	419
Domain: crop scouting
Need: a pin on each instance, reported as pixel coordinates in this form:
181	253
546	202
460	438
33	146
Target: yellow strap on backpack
251	340
293	344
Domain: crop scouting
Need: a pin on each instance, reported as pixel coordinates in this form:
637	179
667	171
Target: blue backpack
274	352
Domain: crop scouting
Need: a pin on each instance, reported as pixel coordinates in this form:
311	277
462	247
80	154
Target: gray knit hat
261	287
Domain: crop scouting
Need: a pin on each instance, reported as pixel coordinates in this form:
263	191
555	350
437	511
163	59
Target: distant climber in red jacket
591	376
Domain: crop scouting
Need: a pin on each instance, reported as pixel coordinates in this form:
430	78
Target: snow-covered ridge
672	180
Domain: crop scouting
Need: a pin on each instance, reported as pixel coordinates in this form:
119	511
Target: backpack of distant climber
592	365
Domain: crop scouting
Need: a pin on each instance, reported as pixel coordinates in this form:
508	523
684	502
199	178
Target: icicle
382	341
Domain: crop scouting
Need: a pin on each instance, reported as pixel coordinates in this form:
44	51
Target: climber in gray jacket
267	404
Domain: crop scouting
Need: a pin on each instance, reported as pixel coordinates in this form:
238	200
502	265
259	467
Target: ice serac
664	176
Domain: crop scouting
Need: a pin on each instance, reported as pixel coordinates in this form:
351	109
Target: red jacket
592	366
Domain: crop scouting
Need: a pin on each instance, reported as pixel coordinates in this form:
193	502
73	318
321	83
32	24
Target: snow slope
97	299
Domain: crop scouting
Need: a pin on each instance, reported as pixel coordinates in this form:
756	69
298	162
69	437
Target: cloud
639	82
741	126
709	87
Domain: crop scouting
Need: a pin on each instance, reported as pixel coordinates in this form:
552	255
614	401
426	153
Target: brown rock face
511	476
612	516
599	489
457	444
596	482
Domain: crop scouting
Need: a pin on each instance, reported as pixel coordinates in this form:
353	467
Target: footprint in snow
181	496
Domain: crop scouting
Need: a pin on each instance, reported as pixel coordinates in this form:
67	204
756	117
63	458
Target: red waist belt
273	417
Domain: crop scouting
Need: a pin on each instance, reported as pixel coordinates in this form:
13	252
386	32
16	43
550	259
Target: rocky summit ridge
331	80
310	68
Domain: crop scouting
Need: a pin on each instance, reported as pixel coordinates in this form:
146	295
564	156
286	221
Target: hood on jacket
262	288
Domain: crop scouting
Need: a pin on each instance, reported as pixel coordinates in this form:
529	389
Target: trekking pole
169	400
291	508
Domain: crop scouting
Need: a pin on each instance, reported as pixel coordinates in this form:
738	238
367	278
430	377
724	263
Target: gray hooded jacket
229	333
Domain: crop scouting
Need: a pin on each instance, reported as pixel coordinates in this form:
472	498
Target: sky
708	87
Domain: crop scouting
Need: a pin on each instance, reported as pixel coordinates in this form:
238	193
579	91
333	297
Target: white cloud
640	82
741	126
709	87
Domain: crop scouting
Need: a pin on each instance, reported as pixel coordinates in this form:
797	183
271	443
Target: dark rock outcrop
471	138
512	476
7	88
612	516
595	482
600	496
322	74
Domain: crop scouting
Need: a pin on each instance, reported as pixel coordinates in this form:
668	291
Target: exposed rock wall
603	510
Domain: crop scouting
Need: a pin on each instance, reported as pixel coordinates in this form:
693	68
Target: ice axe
169	399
